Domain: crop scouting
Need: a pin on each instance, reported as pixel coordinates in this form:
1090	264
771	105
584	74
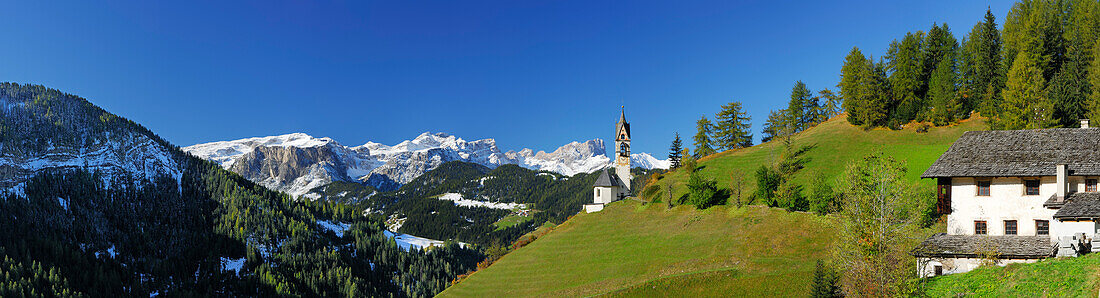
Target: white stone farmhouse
610	187
1015	196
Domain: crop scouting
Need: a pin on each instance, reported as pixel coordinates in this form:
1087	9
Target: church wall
604	195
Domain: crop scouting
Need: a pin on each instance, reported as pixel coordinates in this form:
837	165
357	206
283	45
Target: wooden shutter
943	195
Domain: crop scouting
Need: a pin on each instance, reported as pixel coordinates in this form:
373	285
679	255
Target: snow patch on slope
461	202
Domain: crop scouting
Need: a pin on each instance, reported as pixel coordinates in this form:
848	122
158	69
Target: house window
1042	227
1010	227
1031	187
979	227
1090	185
983	188
939	270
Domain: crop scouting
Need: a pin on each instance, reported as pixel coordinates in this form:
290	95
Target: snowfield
461	202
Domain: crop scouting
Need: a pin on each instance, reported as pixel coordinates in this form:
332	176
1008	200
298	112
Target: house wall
1006	201
1074	227
960	265
604	195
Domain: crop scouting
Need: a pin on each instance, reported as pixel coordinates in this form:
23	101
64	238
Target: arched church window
622	149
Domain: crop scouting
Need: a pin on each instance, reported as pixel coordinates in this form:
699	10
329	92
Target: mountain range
297	163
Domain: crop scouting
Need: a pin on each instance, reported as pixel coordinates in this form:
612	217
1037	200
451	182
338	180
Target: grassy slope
629	248
837	143
1062	277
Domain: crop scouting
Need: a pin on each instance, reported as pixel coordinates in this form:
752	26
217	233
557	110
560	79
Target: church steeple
622	147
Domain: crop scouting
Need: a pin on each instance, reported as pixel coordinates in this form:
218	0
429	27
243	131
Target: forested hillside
547	196
1039	71
185	227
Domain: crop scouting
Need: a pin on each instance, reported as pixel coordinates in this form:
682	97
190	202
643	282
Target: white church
610	187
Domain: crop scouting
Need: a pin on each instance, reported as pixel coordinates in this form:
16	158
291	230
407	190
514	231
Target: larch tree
732	127
941	46
773	127
874	97
798	117
905	61
1025	103
703	144
943	94
830	104
855	67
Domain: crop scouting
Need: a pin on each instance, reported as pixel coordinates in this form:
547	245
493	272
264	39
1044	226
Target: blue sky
534	74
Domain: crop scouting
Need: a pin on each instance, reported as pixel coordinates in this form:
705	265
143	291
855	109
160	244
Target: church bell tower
622	149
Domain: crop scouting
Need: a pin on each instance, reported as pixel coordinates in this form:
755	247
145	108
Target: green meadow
634	249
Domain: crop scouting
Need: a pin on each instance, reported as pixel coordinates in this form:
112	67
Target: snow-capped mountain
296	163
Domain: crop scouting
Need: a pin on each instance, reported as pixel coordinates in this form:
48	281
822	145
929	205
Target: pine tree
732	127
982	71
851	74
675	152
1093	101
1067	93
703	144
1026	105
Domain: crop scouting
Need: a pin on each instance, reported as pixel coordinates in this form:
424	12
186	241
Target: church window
597	192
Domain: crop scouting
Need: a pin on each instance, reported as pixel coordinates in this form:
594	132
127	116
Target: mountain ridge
297	162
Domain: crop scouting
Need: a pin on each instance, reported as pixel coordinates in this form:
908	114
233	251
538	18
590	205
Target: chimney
1084	123
1062	183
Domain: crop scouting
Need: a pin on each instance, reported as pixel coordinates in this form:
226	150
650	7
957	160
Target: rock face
297	163
44	128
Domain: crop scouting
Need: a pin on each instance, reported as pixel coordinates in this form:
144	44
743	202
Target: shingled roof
972	246
1080	205
1017	153
607	179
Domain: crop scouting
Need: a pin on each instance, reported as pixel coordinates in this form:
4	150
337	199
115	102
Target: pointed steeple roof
622	115
622	124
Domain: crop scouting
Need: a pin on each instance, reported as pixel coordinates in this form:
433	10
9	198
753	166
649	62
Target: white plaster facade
605	194
960	265
1007	200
